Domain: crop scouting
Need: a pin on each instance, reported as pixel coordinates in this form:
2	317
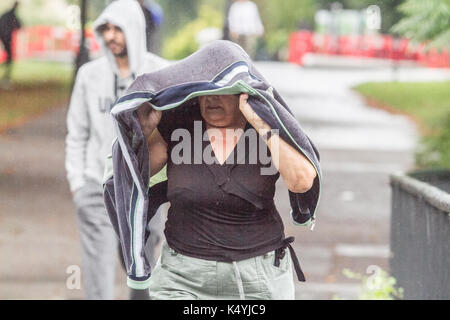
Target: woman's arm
296	170
157	147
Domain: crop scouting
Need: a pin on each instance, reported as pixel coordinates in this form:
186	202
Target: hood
128	15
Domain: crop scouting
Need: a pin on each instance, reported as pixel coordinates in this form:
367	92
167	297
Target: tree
280	18
177	14
83	53
426	21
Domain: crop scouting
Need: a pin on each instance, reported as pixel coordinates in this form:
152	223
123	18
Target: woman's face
221	110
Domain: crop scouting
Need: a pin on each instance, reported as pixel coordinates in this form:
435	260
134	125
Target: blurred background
368	80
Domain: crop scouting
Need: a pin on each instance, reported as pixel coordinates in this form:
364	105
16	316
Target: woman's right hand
149	119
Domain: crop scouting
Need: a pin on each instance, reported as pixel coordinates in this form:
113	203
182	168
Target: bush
429	104
183	43
378	286
435	147
280	18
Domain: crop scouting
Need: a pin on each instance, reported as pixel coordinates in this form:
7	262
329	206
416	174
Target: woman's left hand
251	116
296	170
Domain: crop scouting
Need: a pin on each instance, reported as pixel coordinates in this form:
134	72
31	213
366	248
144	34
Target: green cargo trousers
179	277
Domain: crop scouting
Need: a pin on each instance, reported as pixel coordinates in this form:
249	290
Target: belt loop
280	252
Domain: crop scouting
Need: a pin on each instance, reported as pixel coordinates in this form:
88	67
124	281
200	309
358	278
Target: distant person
153	20
8	24
245	25
120	30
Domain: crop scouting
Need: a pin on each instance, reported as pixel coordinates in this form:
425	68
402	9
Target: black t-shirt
218	212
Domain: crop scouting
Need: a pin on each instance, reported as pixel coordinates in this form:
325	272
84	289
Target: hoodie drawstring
116	86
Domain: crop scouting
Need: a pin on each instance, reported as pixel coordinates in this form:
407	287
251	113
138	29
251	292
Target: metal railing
420	230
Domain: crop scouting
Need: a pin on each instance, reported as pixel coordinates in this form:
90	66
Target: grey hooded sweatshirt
133	194
97	86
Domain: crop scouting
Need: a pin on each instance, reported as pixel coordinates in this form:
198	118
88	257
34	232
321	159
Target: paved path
359	147
38	234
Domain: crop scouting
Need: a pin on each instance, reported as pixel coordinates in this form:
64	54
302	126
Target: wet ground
359	146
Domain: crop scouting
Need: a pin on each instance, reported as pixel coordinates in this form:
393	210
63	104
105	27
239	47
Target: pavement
359	146
38	233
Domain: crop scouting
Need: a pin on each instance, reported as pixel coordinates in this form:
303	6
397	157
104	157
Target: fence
369	46
420	230
58	43
51	43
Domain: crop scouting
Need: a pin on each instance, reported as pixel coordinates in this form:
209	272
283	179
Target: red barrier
436	59
374	46
301	42
13	45
46	41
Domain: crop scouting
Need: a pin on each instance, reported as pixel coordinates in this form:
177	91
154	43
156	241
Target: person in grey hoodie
120	29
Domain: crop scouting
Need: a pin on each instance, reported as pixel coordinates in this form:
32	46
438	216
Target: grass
36	87
428	103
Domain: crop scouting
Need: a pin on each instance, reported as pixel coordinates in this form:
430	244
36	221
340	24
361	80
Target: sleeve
164	130
120	198
303	205
177	118
77	135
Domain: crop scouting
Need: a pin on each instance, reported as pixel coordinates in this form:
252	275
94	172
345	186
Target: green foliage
280	18
435	148
390	14
276	40
426	20
29	72
378	286
183	43
177	14
429	104
36	87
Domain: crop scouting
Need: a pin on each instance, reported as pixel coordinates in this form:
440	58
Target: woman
214	137
210	228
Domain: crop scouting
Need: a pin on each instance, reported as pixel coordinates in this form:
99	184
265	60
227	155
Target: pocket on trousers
278	281
274	271
89	195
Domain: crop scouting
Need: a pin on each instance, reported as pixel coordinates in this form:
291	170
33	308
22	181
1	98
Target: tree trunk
83	53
